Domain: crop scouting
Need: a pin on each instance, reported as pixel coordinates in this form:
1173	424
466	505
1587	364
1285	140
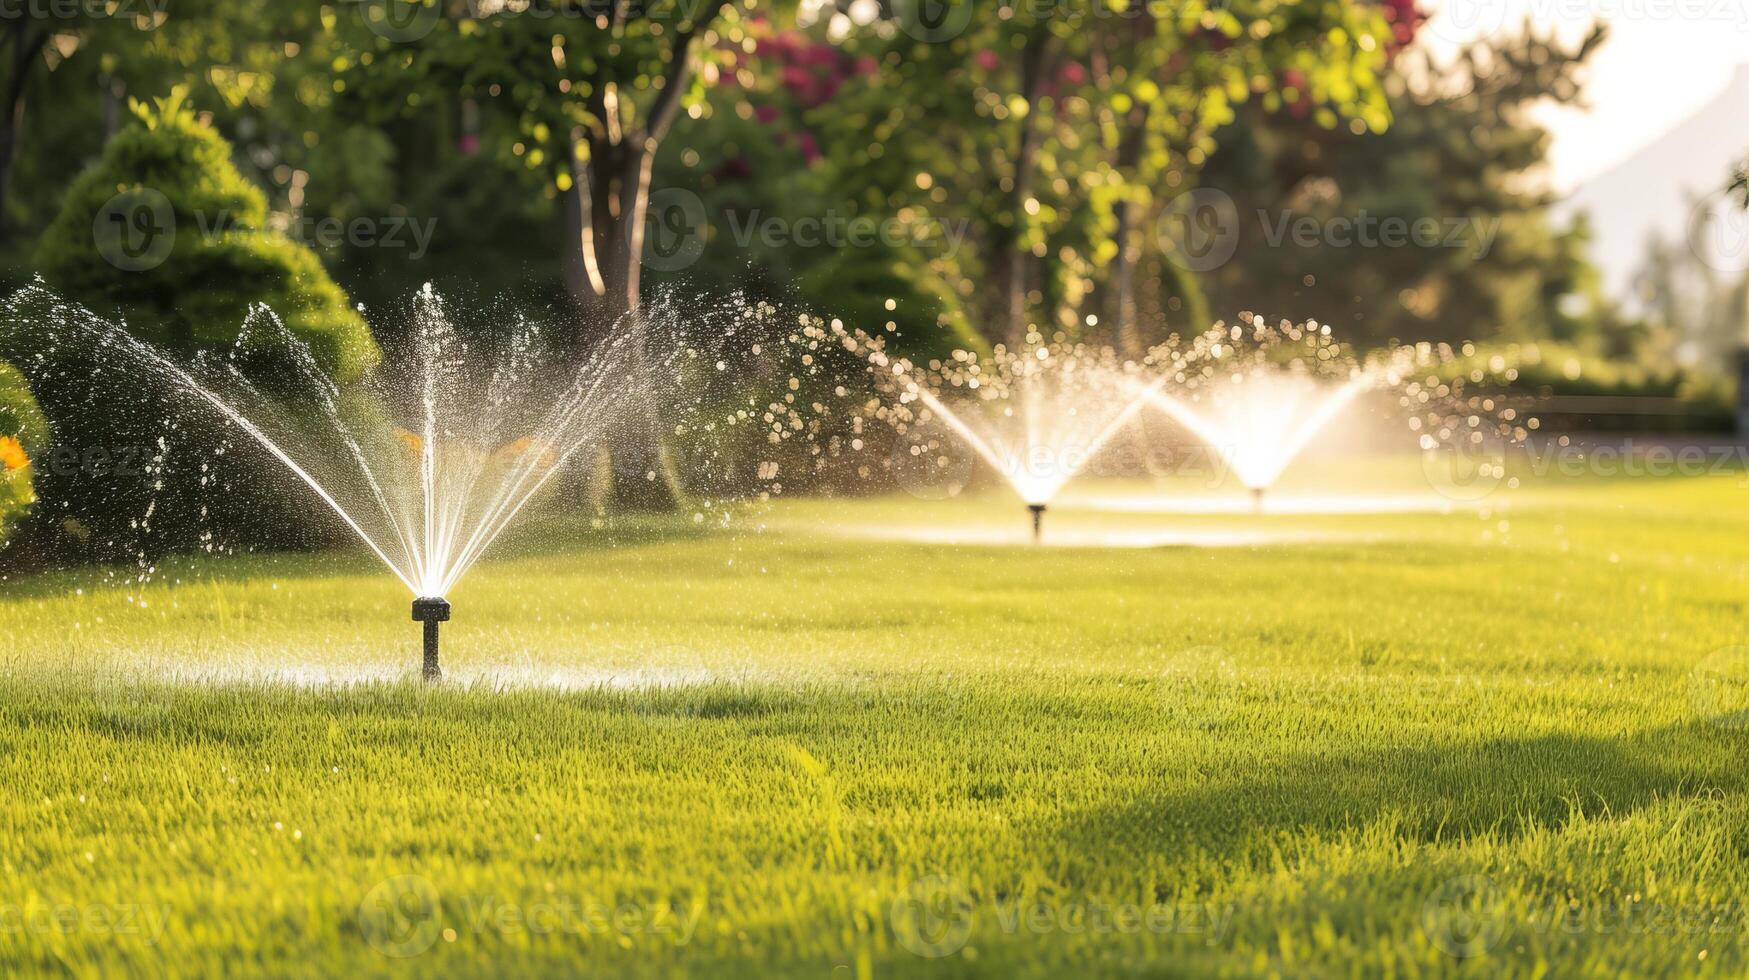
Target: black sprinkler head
1038	520
431	611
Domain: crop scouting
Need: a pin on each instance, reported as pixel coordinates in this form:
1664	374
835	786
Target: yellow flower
12	455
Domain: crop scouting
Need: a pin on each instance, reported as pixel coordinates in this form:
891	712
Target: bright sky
1664	59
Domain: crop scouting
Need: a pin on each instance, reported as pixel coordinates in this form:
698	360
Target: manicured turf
1416	743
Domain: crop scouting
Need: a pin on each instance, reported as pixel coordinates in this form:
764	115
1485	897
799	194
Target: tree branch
679	74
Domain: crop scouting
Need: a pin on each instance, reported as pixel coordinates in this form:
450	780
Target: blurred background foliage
999	171
1008	170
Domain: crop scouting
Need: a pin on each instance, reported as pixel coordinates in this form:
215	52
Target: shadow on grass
1497	789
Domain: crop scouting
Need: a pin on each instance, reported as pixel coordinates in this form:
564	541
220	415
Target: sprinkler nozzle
431	611
1038	520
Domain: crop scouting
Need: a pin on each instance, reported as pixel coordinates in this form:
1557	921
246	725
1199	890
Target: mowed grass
1495	741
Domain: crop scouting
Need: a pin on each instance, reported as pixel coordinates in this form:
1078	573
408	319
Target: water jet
428	458
1037	415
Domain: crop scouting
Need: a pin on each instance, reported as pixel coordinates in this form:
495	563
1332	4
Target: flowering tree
584	92
1058	129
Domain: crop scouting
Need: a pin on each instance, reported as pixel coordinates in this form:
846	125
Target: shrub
165	235
166	231
1608	395
23	436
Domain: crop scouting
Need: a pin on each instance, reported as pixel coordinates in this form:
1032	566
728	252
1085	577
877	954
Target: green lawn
1414	743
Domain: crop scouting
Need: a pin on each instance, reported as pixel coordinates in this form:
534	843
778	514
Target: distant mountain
1655	190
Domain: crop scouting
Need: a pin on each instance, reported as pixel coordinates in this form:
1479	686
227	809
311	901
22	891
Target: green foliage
165	231
24	434
1587	391
1060	133
1459	161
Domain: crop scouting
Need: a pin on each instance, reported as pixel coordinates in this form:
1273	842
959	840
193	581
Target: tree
1051	128
587	92
1459	161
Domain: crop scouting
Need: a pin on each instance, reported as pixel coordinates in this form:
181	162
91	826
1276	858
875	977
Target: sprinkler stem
1257	500
1038	521
431	611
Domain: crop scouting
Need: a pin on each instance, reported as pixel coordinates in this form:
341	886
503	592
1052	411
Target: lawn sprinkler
1257	499
431	612
1038	520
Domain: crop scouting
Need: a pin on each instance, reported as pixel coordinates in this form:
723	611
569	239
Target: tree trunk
1010	259
26	45
1131	340
603	214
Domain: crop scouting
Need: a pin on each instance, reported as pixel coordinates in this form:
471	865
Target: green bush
1607	389
23	436
165	235
165	231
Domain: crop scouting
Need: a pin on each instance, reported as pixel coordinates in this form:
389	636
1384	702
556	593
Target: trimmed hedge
186	281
